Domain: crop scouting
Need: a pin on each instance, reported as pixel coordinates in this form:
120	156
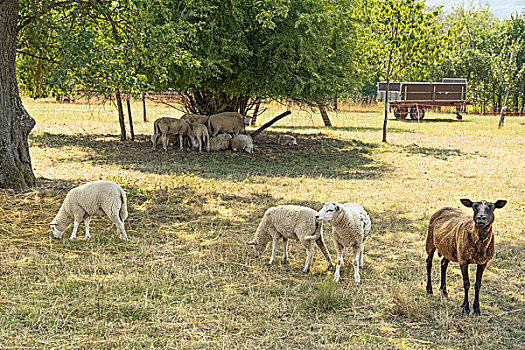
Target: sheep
94	198
201	136
195	118
290	222
164	126
351	227
463	239
287	140
227	122
242	143
220	142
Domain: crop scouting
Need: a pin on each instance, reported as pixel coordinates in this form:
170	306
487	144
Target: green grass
186	278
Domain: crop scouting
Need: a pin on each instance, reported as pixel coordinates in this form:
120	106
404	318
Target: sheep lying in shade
91	199
242	143
290	222
220	142
287	140
351	228
464	239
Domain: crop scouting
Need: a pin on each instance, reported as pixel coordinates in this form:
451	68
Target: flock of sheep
217	132
456	235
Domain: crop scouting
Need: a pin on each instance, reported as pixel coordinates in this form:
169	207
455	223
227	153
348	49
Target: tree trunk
503	110
257	105
15	123
144	107
385	118
121	116
130	120
326	119
335	103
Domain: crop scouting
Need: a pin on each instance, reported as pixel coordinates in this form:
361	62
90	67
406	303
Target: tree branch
36	56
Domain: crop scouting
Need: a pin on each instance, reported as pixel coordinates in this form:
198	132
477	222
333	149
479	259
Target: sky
501	8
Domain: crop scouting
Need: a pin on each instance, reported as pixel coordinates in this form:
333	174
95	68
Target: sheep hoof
429	290
444	291
466	308
477	312
285	261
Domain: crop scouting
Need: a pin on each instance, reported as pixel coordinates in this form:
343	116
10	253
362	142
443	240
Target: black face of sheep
483	211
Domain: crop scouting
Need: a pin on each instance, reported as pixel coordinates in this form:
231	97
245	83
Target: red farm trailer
411	97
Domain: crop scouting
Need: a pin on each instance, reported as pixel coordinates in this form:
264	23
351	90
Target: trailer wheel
400	112
417	112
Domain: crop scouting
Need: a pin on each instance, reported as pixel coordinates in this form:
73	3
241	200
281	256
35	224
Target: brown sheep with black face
464	239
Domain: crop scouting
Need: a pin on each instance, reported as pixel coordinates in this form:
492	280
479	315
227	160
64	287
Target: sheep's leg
444	265
285	255
466	286
75	228
429	270
274	249
321	244
154	139
86	223
361	255
339	249
165	142
181	141
309	258
357	252
477	287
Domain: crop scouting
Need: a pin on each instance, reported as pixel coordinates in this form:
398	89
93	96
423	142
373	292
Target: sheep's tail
123	206
317	232
430	238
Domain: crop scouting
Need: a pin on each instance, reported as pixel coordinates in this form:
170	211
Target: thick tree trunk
15	122
324	115
121	116
131	131
256	111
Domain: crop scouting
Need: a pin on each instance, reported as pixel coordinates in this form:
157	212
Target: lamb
227	122
195	118
463	239
201	136
94	198
220	142
242	143
287	140
290	222
351	228
164	126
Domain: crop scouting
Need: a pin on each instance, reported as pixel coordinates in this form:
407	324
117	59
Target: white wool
95	198
242	143
290	222
351	226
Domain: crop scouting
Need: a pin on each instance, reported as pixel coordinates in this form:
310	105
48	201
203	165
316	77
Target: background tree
406	38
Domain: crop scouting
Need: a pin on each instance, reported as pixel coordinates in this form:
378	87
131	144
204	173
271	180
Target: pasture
187	279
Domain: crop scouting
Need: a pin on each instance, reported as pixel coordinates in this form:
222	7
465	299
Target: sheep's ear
337	207
323	203
466	202
254	242
500	203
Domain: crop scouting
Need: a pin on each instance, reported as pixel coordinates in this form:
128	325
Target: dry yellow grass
187	280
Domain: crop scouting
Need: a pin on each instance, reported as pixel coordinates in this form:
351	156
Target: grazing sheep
201	136
290	222
162	127
287	140
464	239
195	118
220	142
242	143
91	199
227	122
351	228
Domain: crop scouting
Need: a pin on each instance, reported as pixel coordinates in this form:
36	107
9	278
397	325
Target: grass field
187	280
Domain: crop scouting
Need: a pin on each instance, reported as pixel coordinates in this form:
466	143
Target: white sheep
220	142
287	140
242	143
290	222
91	199
227	122
351	225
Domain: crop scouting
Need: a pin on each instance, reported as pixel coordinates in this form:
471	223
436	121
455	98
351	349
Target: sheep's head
56	233
248	148
327	212
483	211
258	247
